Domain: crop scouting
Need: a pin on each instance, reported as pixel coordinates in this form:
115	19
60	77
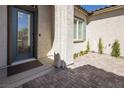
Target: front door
22	34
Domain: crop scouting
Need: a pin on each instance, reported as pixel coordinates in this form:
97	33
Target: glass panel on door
23	43
22	27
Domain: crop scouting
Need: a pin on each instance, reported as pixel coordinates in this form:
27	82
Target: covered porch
53	44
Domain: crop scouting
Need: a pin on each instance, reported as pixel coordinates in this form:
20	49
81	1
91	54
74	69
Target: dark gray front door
22	30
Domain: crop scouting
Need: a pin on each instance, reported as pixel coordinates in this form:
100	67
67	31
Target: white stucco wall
55	24
3	38
45	29
63	41
77	47
108	26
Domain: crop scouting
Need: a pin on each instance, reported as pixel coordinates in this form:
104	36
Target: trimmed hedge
81	53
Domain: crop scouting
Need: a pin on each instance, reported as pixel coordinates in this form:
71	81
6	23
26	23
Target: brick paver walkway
103	61
91	70
81	77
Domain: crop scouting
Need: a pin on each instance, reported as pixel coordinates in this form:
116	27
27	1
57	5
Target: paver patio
92	70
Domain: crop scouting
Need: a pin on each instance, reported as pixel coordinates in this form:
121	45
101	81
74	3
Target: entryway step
21	78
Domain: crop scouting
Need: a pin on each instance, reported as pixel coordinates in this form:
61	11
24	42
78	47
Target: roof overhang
100	11
78	8
109	9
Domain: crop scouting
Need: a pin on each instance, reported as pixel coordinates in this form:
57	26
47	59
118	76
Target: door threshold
23	61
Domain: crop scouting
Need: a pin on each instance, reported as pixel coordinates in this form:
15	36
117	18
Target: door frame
32	9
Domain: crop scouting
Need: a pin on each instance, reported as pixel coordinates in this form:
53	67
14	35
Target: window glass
80	30
79	33
84	31
75	29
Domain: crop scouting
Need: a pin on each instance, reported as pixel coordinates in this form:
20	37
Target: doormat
23	67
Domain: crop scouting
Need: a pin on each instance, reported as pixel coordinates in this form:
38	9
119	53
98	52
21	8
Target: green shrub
81	53
100	46
116	49
75	55
88	48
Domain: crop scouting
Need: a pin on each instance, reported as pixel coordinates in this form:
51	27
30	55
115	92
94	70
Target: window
79	33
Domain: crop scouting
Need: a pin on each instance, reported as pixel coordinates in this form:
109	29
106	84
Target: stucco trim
79	41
